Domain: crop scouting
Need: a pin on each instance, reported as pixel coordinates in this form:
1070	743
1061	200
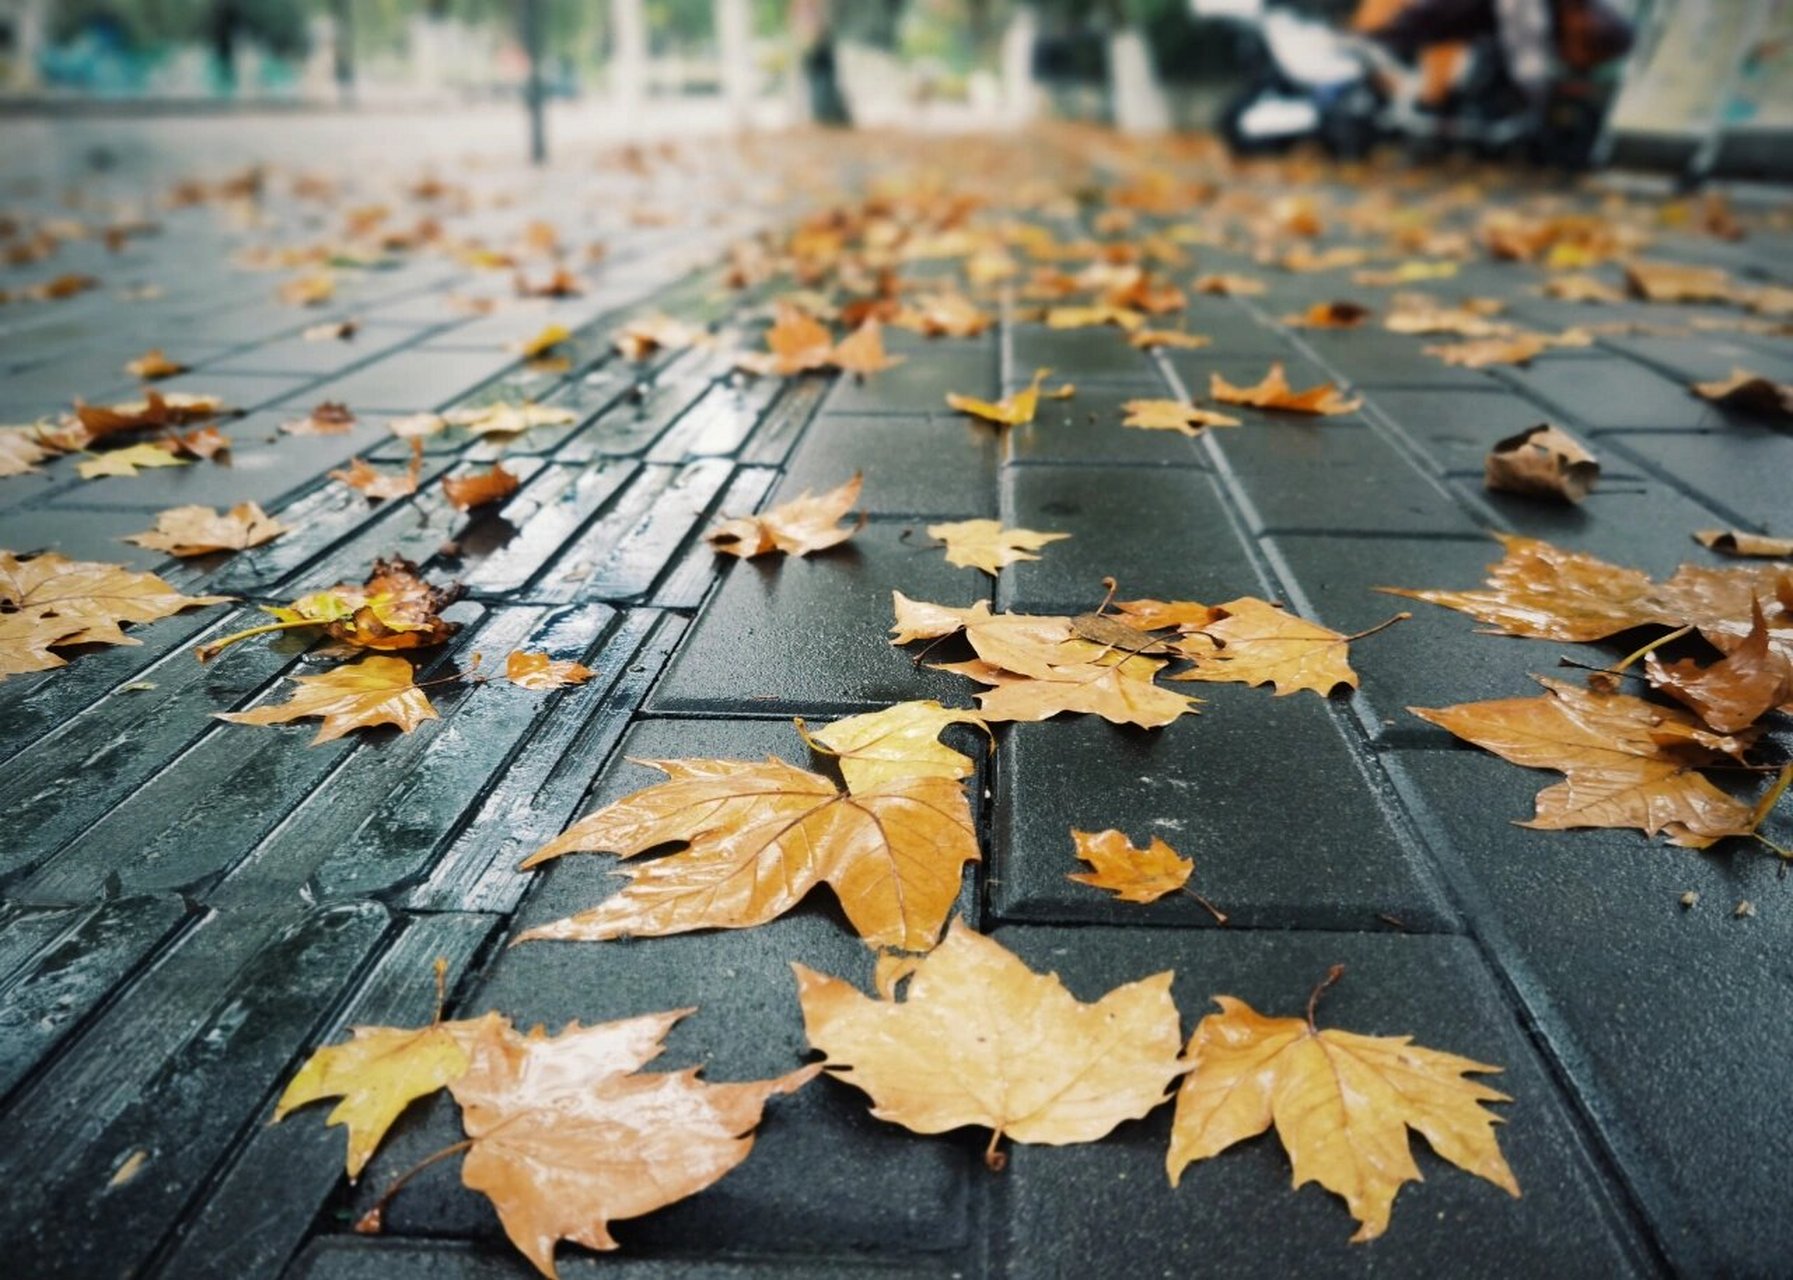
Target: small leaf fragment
1131	873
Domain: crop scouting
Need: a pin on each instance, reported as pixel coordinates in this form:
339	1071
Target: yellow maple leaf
1131	873
1013	410
1252	641
1173	415
127	461
986	545
374	691
901	741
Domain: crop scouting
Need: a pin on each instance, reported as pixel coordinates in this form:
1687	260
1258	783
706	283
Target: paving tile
1087	429
1195	368
1606	393
1646	1004
1435	658
918	385
1236	1212
362	1258
1744	470
939	464
298	355
1454	429
1114	514
787	635
1100	354
1704	356
413	381
529	529
210	1028
1375	357
718	424
80	533
886	1191
1324	854
633	422
1629	520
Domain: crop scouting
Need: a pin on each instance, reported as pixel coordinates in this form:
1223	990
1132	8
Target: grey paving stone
886	1192
511	541
786	421
1435	658
918	385
361	1258
634	421
687	583
1195	369
244	392
1087	429
1374	357
1605	393
1703	356
1117	517
80	533
298	355
1628	520
938	464
719	423
1646	1004
1100	354
787	635
1744	470
209	1026
281	1176
1235	1212
1325	854
88	952
1454	428
411	381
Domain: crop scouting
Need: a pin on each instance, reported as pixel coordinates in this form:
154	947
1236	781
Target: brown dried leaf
1274	392
1251	641
1737	690
1733	542
380	485
1173	415
798	527
198	531
1749	393
329	418
49	602
153	364
1132	874
360	695
862	352
986	545
1678	282
480	487
1329	315
1626	762
1542	462
539	671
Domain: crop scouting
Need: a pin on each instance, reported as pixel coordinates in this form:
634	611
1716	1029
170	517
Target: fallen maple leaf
127	461
644	335
1093	317
1582	288
415	426
539	671
1749	393
1626	762
21	449
202	442
986	545
980	1039
331	331
546	340
380	1072
862	352
1146	339
393	609
1230	286
198	531
153	364
797	341
1737	690
1274	392
1678	282
49	602
759	837
360	695
567	1133
156	409
1329	315
378	485
1519	348
310	290
1733	542
1012	410
479	488
1542	462
1131	873
1251	641
1341	1103
1173	415
329	418
901	741
798	527
505	419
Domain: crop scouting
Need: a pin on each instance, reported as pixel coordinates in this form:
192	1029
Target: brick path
189	907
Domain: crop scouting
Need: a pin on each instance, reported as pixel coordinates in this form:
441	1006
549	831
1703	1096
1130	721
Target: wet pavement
188	908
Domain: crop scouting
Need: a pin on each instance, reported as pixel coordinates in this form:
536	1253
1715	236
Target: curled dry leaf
1176	339
759	837
1749	393
1092	317
156	409
505	419
393	609
986	545
980	1039
480	487
360	695
901	741
1734	542
549	337
415	426
21	450
644	335
797	527
330	418
128	461
1582	288
1329	315
153	364
1678	282
539	671
49	602
202	442
1737	690
1341	1103
198	531
1013	410
1230	286
1542	462
331	331
1274	392
1132	874
1626	762
378	485
1173	415
1251	641
795	342
1518	348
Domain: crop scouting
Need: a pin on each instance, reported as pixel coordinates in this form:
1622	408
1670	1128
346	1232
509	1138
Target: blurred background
1694	88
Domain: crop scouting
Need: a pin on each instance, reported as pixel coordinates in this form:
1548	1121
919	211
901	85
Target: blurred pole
534	91
628	57
734	42
31	24
343	55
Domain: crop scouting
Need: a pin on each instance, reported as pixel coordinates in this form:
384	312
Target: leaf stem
369	1223
1216	912
206	652
1384	625
995	1161
1655	644
1313	999
1765	805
